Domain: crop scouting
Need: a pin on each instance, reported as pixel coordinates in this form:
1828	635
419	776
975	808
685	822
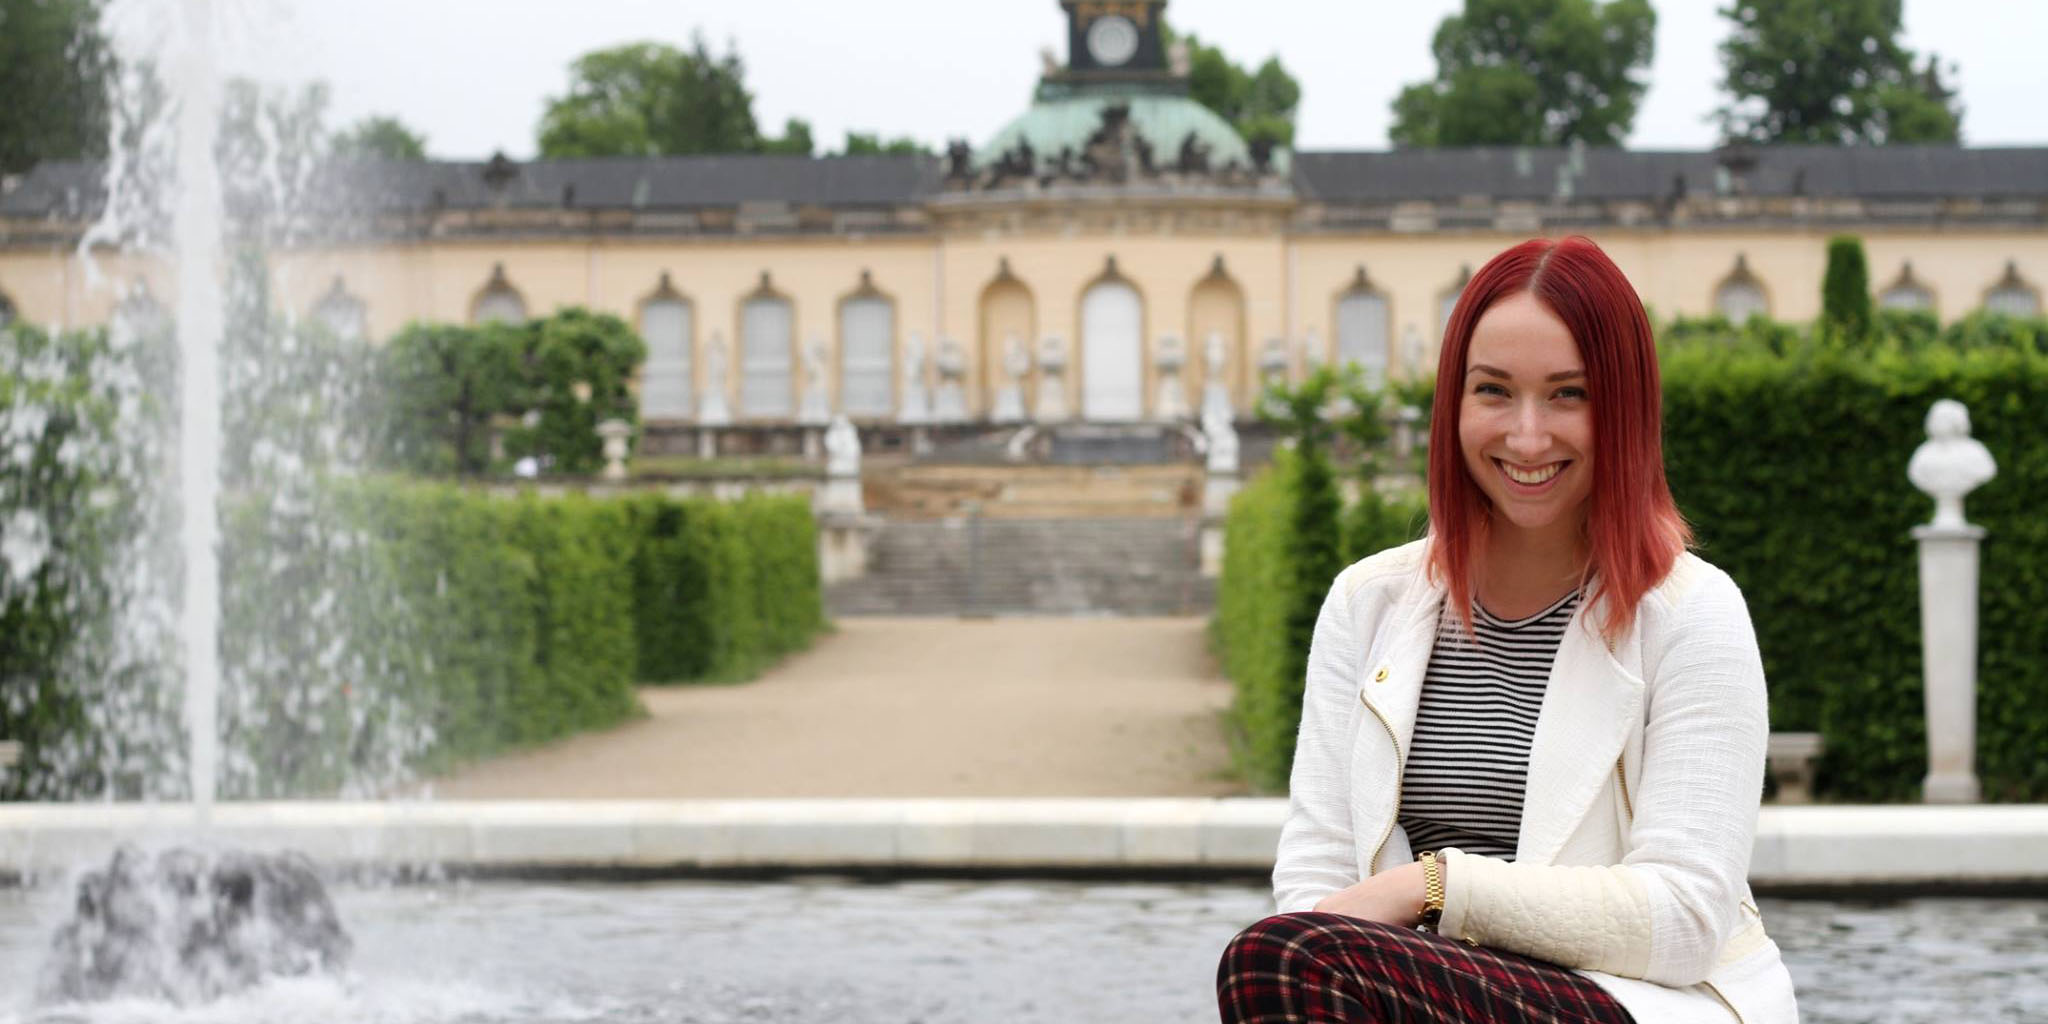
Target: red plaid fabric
1324	967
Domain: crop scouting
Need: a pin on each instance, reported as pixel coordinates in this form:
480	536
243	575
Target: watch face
1112	39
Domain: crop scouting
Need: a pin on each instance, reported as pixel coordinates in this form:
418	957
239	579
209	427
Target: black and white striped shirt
1468	761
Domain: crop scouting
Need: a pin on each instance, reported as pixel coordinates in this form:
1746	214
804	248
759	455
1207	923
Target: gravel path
916	707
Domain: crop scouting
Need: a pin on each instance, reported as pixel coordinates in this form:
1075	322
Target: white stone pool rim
1817	847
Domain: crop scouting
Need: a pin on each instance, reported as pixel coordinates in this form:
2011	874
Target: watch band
1432	890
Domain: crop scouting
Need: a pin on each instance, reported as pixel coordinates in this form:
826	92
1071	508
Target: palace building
1107	256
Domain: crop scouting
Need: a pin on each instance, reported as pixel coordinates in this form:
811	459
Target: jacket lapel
1588	705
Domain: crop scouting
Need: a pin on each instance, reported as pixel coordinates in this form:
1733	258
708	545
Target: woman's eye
1489	389
1579	393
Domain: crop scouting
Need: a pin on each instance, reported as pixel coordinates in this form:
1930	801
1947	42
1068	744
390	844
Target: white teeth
1521	476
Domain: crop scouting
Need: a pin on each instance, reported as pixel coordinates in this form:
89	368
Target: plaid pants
1325	967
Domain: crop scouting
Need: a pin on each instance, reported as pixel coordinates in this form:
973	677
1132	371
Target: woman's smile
1531	480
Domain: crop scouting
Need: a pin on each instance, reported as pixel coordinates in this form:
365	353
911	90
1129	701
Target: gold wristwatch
1432	890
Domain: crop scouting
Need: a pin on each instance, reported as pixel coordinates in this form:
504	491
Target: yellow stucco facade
977	276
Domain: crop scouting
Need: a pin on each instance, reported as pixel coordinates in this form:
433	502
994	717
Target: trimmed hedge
1278	562
723	588
1792	472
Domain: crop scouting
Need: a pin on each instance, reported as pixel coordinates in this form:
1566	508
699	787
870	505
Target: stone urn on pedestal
616	433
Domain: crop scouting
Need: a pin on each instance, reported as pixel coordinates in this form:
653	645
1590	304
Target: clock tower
1115	40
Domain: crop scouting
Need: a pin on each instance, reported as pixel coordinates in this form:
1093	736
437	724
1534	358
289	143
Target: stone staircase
980	565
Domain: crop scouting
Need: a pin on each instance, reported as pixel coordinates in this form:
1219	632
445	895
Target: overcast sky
474	75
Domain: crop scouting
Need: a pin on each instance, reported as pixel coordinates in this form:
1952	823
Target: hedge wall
399	627
1792	472
723	588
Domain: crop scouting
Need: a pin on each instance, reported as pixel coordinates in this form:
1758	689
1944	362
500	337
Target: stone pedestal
615	434
1790	757
1948	629
843	540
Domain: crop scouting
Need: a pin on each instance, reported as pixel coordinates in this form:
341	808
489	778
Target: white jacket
1645	776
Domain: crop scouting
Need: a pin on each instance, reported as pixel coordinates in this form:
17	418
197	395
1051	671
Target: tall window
767	340
1362	330
500	302
867	349
1741	295
1906	293
667	325
344	315
1448	304
2012	295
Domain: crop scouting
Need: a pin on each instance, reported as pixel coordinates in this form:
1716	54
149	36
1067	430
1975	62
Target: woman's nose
1528	435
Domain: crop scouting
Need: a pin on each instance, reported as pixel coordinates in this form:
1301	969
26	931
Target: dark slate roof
1508	172
70	188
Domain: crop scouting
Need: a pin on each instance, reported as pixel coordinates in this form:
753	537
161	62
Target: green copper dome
1066	119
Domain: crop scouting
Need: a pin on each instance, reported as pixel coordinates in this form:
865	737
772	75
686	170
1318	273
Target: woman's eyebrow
1495	371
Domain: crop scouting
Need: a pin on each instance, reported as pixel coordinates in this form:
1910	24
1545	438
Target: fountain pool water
827	949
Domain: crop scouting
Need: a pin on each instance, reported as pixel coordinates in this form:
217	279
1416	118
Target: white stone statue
1215	394
815	410
917	406
1172	400
1222	439
842	494
842	448
950	403
1009	403
1411	352
714	411
1052	383
1950	463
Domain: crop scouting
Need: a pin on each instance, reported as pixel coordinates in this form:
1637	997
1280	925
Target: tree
650	99
1259	104
55	70
381	138
795	139
1531	72
872	144
1845	291
1830	72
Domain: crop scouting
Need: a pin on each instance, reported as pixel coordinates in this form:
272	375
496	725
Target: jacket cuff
1596	918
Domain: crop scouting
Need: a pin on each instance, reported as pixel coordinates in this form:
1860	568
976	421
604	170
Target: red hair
1634	533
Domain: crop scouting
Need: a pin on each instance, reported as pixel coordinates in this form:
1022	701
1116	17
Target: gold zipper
1626	804
1400	766
1724	1001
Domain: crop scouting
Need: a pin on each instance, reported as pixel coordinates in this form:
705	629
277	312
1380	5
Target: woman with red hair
1532	743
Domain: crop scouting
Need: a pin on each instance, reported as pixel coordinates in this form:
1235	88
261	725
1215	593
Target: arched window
1112	350
1906	293
1741	295
867	352
1448	303
2012	295
344	315
499	302
767	341
668	325
1363	329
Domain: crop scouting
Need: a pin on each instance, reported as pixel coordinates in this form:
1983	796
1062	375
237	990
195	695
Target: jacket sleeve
1664	913
1317	854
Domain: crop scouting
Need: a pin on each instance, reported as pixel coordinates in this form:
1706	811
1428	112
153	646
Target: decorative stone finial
1951	463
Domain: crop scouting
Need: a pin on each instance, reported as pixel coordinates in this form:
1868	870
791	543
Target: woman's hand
1392	897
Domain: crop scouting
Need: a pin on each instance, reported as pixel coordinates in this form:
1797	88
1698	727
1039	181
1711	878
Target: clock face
1112	39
